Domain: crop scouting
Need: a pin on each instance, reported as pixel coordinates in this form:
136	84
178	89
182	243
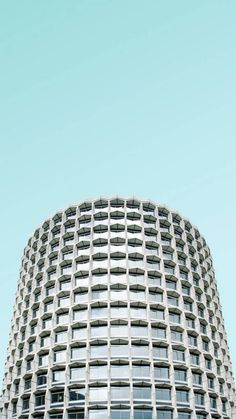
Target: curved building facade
117	315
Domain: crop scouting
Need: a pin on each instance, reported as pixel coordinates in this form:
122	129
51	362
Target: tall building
117	315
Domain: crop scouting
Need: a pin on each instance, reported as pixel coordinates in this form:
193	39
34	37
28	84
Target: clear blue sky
118	97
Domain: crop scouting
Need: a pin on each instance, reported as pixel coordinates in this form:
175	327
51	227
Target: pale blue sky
118	97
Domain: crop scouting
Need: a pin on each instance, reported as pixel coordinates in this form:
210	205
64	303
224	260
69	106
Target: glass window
119	312
159	332
98	351
76	394
61	336
98	312
99	331
139	331
182	396
98	394
163	394
79	352
80	314
79	333
141	393
65	285
58	375
180	375
164	414
120	414
140	351
174	317
77	373
183	415
41	379
138	312
160	352
119	351
142	414
60	356
98	413
176	336
140	371
161	373
63	301
43	360
199	399
118	330
119	371
157	314
197	378
98	372
178	355
57	397
62	318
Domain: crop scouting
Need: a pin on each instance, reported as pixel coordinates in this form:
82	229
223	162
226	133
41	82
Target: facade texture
117	315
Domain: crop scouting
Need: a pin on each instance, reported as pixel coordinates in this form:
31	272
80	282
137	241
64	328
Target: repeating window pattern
117	315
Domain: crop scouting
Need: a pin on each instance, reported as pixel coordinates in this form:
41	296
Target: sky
124	97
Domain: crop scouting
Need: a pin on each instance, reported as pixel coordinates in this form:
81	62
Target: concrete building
117	315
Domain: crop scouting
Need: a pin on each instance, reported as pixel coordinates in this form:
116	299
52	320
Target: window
62	318
183	415
58	376
194	359
25	404
57	397
213	403
43	360
171	284
98	312
199	399
98	372
120	393
174	317
119	371
178	355
41	380
45	341
182	396
98	394
78	352
158	332
140	371
99	331
65	285
77	373
63	301
141	393
60	356
157	314
180	375
161	373
163	394
76	394
100	351
139	331
61	336
192	340
176	336
173	301
27	384
40	400
140	351
164	414
160	352
120	414
197	378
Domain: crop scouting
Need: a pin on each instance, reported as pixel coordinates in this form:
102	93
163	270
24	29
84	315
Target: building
117	315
